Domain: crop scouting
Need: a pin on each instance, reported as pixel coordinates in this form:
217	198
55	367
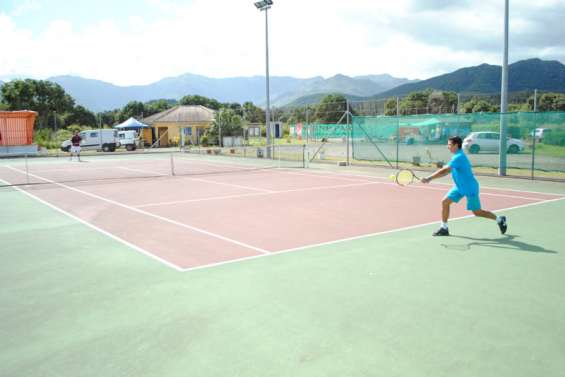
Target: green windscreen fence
535	140
318	131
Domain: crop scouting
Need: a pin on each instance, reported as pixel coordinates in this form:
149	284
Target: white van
128	139
105	140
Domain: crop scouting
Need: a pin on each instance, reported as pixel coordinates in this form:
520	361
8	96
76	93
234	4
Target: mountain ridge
98	95
529	74
524	75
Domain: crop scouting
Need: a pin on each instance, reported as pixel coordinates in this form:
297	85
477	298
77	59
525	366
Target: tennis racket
405	177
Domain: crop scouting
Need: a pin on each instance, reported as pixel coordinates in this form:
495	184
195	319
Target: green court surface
75	302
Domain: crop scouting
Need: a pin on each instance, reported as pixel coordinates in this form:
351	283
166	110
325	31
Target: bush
485	127
555	137
50	139
204	141
515	132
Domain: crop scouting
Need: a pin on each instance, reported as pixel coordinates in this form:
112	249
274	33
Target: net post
172	166
27	169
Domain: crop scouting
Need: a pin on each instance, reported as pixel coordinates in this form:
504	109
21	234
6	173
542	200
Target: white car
477	142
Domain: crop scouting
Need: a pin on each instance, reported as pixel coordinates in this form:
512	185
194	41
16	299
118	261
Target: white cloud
226	38
26	7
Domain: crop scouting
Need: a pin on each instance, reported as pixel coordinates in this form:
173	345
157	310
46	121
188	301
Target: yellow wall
173	133
146	136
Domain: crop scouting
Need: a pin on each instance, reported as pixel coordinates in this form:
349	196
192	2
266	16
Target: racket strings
404	177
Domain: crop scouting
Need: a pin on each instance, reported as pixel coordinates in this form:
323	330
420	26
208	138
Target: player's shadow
507	241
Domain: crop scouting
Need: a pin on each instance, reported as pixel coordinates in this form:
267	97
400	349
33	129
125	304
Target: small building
183	122
16	132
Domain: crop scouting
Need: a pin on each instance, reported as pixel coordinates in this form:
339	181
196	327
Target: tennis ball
392	177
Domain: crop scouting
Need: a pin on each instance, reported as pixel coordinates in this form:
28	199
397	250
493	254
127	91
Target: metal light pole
504	97
265	5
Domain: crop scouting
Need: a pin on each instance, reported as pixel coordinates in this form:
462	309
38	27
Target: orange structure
16	127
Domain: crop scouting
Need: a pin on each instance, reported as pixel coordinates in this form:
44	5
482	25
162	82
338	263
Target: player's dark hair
456	140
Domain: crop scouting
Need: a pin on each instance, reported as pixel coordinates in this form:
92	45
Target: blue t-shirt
462	174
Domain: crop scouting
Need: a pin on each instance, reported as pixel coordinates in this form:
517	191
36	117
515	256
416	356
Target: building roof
182	114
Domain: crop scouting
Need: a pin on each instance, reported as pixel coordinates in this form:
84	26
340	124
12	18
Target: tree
390	106
476	105
200	100
415	103
109	118
483	106
331	108
226	122
441	102
134	109
549	102
299	114
45	97
82	117
252	113
156	106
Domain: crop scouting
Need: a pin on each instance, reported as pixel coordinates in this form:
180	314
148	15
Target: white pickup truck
128	139
103	139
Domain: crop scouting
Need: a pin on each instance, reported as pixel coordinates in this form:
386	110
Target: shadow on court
507	241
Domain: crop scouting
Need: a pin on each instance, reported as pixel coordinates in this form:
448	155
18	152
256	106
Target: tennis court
154	265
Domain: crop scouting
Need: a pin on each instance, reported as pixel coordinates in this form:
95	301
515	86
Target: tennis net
96	167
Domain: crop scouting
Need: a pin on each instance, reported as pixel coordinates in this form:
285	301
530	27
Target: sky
137	42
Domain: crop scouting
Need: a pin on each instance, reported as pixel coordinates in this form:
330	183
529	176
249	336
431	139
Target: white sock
444	225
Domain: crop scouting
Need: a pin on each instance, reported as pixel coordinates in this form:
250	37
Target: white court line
274	253
202	180
140	211
100	230
431	186
361	183
255	194
263	254
331	176
435	183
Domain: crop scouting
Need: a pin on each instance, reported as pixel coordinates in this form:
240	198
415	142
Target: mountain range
99	95
525	75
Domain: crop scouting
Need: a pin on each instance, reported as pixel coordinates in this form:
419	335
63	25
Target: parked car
105	140
540	133
128	139
477	142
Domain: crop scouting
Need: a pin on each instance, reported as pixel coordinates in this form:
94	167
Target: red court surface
195	221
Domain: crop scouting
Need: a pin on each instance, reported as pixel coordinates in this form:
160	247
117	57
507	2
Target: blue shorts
473	201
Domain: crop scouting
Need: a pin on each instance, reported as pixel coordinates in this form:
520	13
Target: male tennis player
75	146
466	185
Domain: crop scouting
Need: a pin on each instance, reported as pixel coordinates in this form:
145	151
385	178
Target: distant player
466	185
75	145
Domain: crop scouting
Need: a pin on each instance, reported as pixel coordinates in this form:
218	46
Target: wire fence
535	143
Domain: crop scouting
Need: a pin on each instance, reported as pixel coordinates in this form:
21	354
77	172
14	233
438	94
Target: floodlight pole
504	97
268	109
264	6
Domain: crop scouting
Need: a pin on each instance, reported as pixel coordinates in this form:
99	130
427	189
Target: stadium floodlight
264	5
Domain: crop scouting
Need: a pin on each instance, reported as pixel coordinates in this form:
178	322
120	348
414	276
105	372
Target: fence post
534	132
347	133
397	130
